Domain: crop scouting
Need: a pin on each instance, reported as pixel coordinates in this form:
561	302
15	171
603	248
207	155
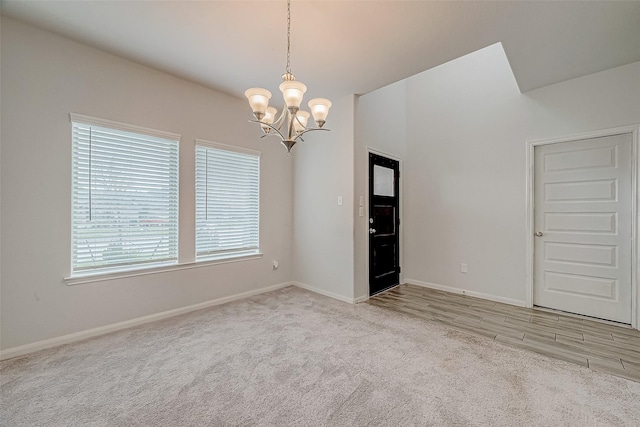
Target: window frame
106	272
230	255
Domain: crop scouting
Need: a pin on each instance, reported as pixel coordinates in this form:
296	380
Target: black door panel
384	240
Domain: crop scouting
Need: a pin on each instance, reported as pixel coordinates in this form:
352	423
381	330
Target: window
227	201
125	197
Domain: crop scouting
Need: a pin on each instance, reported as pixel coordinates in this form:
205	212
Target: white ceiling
345	47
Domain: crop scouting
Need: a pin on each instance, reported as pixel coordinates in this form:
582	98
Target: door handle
372	231
538	234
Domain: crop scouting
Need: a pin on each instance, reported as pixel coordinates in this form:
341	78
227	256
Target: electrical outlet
464	268
275	265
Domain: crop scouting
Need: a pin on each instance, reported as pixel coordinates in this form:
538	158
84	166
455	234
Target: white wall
465	169
44	78
381	126
323	230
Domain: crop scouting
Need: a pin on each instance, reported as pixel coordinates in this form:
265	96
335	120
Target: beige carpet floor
291	357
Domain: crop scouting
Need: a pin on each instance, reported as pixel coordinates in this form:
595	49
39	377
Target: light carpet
291	357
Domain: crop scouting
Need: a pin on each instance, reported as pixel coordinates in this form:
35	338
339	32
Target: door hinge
399	269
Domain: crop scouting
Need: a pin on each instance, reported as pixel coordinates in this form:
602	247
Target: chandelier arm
272	134
310	130
291	131
278	123
272	127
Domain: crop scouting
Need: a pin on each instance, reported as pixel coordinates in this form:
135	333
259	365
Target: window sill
99	277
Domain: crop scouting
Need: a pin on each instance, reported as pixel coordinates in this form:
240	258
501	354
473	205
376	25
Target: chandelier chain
288	36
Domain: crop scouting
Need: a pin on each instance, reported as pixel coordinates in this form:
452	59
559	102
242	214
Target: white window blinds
125	199
227	201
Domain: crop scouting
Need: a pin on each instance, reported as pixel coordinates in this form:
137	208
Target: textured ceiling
345	47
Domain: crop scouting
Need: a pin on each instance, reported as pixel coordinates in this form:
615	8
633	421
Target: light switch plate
361	201
361	211
339	200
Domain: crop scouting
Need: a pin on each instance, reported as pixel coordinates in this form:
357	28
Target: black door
384	240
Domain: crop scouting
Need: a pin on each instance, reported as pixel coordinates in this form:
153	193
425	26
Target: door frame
367	213
634	130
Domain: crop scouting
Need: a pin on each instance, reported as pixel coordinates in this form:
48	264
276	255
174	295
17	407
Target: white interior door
582	249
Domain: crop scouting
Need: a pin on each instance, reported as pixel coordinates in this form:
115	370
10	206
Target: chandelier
292	122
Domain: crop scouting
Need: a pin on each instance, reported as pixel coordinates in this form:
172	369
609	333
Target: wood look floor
600	346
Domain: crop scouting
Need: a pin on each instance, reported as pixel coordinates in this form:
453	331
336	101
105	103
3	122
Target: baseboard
101	330
323	292
362	298
481	295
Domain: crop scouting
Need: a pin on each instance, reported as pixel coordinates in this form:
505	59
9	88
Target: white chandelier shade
301	121
269	117
292	91
320	108
259	100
